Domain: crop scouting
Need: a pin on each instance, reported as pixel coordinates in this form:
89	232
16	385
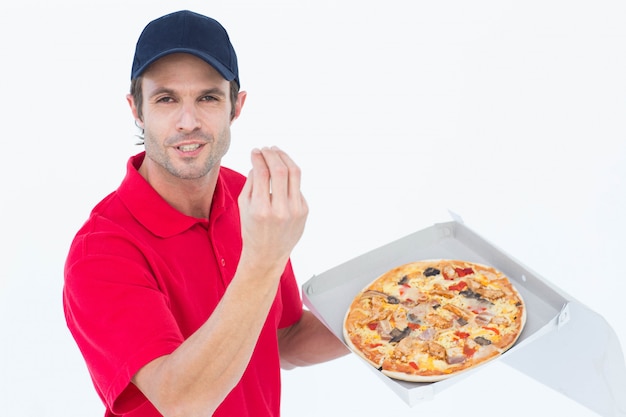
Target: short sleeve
291	300
117	314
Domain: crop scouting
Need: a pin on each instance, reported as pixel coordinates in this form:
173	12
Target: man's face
186	117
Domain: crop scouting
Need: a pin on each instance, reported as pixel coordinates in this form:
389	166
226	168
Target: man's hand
272	208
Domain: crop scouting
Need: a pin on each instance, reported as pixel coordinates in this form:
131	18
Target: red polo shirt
141	277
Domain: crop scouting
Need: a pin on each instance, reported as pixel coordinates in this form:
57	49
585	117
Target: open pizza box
592	374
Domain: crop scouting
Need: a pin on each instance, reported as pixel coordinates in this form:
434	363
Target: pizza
428	320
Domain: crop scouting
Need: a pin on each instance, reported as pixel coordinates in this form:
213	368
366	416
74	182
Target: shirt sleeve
291	300
116	342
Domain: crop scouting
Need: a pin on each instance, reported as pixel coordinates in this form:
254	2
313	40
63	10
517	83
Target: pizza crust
424	325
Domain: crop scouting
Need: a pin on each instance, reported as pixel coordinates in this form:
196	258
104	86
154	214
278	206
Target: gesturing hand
272	208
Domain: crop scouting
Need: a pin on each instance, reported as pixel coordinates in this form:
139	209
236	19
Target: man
178	289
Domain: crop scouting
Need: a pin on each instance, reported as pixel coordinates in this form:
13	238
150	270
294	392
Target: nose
188	120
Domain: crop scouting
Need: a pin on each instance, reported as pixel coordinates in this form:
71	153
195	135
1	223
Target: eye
208	98
165	99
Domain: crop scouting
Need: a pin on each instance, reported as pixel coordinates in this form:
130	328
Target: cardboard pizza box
592	374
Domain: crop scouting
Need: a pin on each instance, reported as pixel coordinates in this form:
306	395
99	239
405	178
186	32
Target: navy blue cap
188	32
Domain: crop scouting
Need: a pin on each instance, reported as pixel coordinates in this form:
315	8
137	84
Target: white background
508	113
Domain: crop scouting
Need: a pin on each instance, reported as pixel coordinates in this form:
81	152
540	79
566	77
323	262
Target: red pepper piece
413	365
413	326
493	329
461	272
467	351
458	286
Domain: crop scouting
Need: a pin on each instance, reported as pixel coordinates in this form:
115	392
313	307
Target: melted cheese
452	333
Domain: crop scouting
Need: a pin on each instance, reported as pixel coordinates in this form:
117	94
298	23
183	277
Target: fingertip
256	155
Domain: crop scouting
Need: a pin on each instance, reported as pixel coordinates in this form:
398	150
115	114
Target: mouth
189	151
188	148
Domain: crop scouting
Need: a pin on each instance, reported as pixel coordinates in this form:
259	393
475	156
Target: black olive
430	271
397	335
413	318
469	294
392	300
482	341
462	322
472	294
404	280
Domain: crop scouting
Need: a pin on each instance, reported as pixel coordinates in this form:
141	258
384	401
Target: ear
241	99
134	111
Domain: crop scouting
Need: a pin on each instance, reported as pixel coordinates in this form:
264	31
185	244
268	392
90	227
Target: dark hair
136	91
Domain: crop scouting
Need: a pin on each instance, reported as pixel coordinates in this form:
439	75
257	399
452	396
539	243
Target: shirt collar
152	211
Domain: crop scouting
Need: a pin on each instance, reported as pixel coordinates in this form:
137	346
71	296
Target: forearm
195	378
308	342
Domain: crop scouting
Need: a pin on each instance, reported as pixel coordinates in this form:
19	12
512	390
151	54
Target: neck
190	197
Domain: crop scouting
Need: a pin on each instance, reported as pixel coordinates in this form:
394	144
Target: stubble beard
188	168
